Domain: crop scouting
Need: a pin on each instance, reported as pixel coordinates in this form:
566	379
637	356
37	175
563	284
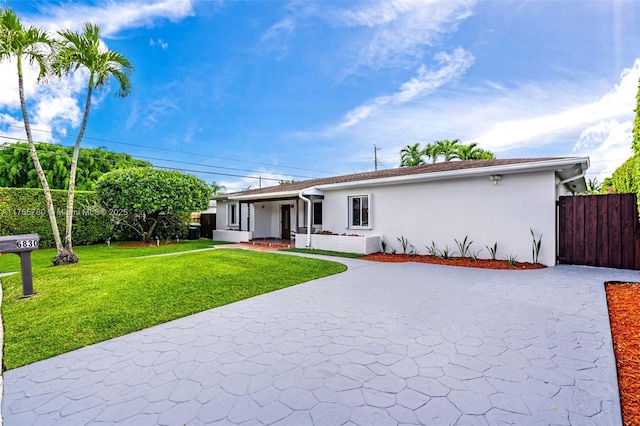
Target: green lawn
110	292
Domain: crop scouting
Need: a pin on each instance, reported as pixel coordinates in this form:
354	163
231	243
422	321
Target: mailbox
22	245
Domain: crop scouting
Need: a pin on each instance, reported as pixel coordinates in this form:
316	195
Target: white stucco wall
261	220
362	245
264	222
442	211
438	211
221	216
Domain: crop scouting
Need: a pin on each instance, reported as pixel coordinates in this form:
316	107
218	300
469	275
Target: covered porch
272	219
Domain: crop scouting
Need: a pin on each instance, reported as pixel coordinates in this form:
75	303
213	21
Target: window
232	214
317	213
359	211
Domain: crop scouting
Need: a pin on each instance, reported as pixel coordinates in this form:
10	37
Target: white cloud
566	117
390	33
453	66
618	102
153	111
9	84
159	42
607	143
53	107
112	17
274	36
400	30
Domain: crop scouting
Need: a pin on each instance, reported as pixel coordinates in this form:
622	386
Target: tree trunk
67	255
36	162
147	235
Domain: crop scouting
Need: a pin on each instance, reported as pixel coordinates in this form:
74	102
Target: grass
325	252
110	292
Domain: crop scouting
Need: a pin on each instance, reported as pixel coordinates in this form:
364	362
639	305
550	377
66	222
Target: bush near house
144	200
23	211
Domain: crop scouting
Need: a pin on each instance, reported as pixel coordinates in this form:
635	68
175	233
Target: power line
159	167
187	162
173	150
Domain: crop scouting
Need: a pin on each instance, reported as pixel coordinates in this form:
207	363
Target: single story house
488	201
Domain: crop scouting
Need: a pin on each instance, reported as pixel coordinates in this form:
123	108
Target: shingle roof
400	171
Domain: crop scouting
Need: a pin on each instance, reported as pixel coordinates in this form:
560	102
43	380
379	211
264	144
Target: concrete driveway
379	344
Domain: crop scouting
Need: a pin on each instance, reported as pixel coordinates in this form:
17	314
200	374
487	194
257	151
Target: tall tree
85	51
17	170
473	152
32	45
411	155
636	125
445	148
430	152
217	189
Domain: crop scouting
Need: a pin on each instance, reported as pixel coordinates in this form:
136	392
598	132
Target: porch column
240	216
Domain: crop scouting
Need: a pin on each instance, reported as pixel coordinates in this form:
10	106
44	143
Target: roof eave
547	165
263	196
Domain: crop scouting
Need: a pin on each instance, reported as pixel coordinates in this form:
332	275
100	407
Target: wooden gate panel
565	240
599	230
602	235
590	231
615	231
578	228
629	220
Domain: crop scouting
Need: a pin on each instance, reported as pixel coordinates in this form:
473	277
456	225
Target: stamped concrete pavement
379	344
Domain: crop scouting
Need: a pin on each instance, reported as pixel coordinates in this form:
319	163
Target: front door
285	221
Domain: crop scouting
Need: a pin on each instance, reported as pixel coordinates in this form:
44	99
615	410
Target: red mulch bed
624	312
149	244
456	261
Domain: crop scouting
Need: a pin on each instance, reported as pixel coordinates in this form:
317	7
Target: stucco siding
446	210
261	218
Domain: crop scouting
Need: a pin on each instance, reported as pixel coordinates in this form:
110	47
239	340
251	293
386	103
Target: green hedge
24	211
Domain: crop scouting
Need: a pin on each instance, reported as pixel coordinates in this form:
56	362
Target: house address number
21	244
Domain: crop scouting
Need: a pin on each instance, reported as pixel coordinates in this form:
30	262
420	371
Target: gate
599	230
208	224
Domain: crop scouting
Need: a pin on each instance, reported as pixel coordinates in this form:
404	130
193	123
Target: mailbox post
22	245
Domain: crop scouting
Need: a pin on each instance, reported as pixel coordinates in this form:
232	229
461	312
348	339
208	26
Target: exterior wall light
495	178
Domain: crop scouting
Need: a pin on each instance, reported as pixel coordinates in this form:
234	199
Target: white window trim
350	212
229	207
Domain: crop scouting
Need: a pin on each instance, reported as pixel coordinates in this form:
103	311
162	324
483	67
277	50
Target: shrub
24	211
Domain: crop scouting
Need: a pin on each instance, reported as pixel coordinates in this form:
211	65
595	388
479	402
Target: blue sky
289	90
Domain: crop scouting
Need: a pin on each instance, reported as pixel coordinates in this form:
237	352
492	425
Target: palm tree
473	152
446	148
32	45
593	186
84	51
411	155
430	152
217	189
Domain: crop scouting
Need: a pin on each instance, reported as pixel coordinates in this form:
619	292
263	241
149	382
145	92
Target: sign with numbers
22	245
26	244
19	243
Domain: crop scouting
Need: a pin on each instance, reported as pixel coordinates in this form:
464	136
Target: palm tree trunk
36	162
67	255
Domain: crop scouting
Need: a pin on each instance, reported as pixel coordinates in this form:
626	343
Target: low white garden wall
232	236
343	243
